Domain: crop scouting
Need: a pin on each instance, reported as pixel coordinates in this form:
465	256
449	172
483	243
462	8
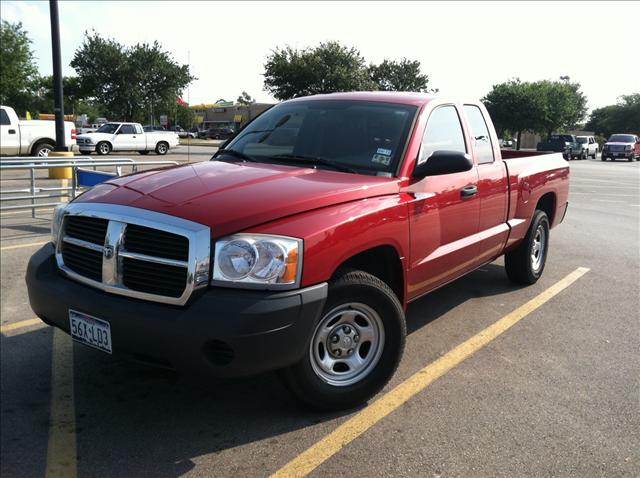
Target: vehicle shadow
132	420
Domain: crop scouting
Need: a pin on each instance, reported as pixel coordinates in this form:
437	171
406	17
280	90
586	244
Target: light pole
57	76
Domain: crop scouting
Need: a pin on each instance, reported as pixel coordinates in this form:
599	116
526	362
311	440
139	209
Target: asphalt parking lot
557	394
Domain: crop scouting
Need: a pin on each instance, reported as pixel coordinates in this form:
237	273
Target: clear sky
465	48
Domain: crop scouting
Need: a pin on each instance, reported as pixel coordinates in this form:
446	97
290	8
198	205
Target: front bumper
223	332
618	154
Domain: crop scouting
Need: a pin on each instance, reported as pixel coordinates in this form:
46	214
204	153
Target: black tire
595	154
603	158
584	155
350	290
162	148
103	148
42	150
143	153
520	264
630	159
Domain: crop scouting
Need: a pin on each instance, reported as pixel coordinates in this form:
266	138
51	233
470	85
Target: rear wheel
42	150
162	148
525	264
355	347
603	158
583	155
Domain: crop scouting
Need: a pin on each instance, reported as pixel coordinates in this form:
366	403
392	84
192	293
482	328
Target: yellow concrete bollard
60	173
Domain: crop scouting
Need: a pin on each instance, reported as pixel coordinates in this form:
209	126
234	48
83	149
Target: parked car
301	244
625	146
567	144
219	133
589	145
126	137
181	132
30	137
151	128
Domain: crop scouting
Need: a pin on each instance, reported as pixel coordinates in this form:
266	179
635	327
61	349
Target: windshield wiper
315	160
234	153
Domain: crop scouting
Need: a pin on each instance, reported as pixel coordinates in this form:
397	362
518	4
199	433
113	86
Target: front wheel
583	155
355	348
103	148
162	148
525	264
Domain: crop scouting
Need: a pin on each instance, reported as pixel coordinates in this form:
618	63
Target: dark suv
567	144
220	133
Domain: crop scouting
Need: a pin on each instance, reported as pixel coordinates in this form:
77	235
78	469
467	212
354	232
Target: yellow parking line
20	246
313	457
20	325
61	450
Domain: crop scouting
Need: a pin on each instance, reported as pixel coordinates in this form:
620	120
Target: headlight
628	147
58	214
258	261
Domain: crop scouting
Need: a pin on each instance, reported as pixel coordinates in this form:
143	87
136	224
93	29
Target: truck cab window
4	118
443	133
127	129
480	134
138	129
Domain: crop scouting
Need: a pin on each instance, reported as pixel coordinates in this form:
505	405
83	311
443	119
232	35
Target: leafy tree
245	99
542	106
131	82
43	97
514	106
17	68
403	75
185	116
328	68
564	105
623	117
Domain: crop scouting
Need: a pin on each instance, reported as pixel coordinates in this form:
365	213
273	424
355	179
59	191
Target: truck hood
231	197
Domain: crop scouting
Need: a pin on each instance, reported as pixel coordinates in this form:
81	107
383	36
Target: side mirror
443	162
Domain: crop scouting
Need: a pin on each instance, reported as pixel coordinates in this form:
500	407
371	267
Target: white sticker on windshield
381	159
386	152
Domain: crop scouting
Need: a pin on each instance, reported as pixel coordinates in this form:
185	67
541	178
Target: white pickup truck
30	137
126	137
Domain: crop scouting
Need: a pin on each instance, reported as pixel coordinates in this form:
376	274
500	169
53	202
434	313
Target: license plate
90	330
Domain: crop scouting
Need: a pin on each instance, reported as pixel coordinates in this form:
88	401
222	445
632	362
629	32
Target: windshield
582	139
108	128
368	137
622	138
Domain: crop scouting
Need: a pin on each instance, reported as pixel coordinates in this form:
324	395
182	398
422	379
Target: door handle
12	131
468	191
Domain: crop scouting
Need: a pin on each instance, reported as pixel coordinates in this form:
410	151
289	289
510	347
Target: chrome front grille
134	252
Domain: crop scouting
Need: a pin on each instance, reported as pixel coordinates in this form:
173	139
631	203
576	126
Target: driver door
445	213
125	138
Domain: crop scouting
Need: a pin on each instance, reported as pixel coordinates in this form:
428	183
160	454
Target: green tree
403	75
43	97
623	117
184	116
245	99
17	67
564	105
132	83
514	106
327	68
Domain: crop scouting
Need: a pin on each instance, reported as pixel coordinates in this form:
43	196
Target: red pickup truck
300	244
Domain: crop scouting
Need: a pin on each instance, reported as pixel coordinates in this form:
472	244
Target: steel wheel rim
44	153
538	248
356	351
162	149
104	149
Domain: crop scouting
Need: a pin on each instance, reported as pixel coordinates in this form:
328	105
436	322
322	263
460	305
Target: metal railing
64	192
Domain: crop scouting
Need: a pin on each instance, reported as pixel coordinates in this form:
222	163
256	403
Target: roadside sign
164	120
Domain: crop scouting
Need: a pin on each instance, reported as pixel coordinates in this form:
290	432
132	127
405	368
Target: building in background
227	114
